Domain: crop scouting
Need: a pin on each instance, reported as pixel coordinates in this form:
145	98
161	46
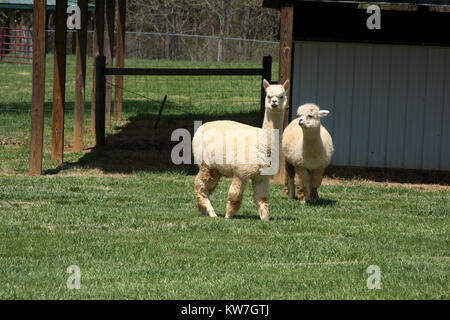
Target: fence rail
184	71
265	72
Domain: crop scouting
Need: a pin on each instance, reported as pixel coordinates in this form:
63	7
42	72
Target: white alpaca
247	161
307	148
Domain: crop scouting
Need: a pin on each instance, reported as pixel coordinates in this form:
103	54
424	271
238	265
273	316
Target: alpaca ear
323	113
286	85
265	83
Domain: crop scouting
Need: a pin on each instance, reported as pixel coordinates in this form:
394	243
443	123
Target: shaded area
322	202
407	176
136	145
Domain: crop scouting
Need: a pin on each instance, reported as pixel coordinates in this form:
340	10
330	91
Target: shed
388	89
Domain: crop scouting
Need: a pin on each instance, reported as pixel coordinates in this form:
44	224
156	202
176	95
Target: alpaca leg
289	185
261	190
205	183
302	181
235	195
316	181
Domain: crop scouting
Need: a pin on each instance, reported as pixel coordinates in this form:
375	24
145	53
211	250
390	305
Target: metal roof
276	3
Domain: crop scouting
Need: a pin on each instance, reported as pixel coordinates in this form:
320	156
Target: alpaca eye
310	116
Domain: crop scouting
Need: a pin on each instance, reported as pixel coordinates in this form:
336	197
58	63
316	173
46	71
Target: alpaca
213	139
307	148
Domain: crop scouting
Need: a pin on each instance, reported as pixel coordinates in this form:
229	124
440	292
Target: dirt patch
354	182
388	178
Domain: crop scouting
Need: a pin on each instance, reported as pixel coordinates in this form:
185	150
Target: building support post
284	71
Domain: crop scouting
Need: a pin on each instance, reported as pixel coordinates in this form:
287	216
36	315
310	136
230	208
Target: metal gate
16	45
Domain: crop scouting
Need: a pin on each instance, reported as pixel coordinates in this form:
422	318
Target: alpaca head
276	96
310	115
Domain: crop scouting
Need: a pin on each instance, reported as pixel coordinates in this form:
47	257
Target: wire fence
184	47
15	100
194	97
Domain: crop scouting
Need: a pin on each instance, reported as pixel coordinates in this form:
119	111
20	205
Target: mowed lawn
133	228
141	237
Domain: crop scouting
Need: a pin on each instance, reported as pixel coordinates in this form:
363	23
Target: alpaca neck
273	120
311	135
311	140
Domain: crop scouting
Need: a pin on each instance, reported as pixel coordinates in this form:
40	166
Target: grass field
128	218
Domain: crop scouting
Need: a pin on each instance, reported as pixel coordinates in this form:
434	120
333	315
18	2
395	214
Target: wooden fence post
38	88
109	46
80	80
99	27
267	74
120	51
100	101
59	82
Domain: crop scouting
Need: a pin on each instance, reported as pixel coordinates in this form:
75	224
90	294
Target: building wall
390	104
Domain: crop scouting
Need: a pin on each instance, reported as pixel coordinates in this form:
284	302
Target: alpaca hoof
265	218
314	195
212	214
228	216
301	196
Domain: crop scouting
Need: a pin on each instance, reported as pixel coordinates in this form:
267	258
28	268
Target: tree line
221	18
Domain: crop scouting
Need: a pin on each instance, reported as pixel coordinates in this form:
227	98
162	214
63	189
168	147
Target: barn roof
403	22
276	3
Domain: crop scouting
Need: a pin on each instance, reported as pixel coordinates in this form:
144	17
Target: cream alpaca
212	168
307	148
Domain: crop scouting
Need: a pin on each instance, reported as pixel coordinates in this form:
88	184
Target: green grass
189	98
129	219
141	237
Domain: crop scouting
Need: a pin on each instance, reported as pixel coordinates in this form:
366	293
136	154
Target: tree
224	9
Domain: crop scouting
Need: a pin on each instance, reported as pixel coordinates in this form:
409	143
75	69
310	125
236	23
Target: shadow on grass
406	176
137	146
247	217
321	202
